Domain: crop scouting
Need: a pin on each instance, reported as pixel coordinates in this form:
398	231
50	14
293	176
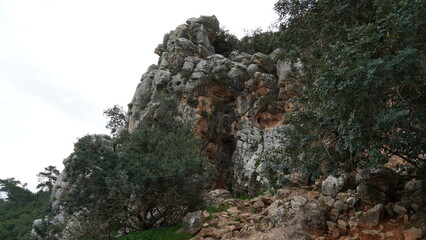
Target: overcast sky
62	62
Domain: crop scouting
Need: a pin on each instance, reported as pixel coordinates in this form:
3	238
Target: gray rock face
372	217
376	185
331	186
243	90
414	193
193	222
295	217
236	105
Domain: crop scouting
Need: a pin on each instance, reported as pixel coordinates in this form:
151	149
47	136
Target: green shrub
213	209
153	170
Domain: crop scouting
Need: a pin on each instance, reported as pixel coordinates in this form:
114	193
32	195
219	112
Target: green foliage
213	209
117	118
19	209
254	41
153	177
225	42
259	41
17	193
362	92
164	233
47	178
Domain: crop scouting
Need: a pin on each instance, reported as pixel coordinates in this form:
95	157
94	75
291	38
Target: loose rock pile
340	208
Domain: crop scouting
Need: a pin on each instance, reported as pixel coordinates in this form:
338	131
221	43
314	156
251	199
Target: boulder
331	186
193	222
414	193
376	185
264	62
372	217
400	210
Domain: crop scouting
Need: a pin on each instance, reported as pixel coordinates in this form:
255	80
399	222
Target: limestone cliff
235	104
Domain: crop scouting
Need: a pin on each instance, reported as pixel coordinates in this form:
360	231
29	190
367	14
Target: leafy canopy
362	92
19	207
153	177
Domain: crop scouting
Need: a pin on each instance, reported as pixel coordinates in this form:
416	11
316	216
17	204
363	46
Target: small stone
372	217
258	204
335	233
405	219
389	209
343	225
352	224
342	196
415	206
339	205
283	193
206	214
233	210
331	225
327	200
227	235
334	212
351	201
298	202
400	210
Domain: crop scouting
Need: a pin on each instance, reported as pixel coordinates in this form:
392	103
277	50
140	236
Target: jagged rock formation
234	104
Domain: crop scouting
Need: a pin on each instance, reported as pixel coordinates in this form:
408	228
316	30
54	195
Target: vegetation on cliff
140	180
19	207
362	92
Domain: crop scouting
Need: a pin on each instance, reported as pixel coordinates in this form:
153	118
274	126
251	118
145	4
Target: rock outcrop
235	104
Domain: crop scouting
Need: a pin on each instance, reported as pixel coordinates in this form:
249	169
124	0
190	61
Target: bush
152	178
362	92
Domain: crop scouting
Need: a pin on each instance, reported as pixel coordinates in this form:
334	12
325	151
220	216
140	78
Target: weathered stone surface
331	186
400	210
283	193
193	222
259	204
37	226
376	185
412	234
327	200
263	61
414	193
372	217
351	201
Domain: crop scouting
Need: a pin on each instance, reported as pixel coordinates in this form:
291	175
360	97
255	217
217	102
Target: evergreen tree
362	94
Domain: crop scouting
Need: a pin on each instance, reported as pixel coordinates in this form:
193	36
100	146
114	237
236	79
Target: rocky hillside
236	105
364	206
